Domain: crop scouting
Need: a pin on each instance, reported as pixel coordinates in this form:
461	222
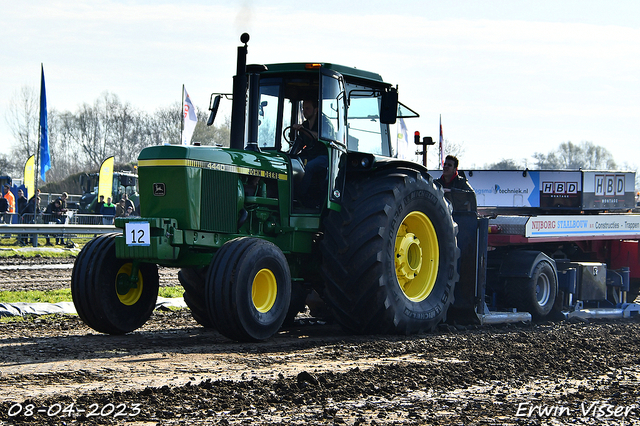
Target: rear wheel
536	295
248	289
193	281
390	255
103	293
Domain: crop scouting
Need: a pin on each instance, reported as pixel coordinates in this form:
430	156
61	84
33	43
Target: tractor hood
243	162
200	186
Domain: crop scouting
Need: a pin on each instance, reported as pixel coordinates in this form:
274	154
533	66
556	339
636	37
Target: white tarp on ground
24	309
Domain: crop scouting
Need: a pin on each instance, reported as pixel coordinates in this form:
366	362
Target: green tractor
307	197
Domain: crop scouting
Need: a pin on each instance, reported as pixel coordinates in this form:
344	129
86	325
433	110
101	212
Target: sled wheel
536	295
102	291
193	282
248	289
390	255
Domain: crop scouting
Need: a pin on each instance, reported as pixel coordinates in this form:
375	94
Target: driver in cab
312	153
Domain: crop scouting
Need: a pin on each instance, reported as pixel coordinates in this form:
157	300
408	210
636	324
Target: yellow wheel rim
128	294
264	290
417	256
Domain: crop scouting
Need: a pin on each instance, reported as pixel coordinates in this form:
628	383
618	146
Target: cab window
366	132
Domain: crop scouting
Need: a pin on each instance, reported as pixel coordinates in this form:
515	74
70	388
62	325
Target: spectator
30	210
128	203
21	202
11	201
108	211
63	201
129	211
36	201
98	207
4	207
121	208
33	196
29	213
54	214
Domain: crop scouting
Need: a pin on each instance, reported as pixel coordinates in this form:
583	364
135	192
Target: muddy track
172	372
20	273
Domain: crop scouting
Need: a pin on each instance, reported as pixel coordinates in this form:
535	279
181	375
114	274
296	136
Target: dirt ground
55	370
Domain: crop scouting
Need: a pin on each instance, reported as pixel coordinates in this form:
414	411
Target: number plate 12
137	233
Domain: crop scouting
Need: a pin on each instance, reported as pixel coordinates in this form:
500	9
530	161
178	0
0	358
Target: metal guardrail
57	229
47	226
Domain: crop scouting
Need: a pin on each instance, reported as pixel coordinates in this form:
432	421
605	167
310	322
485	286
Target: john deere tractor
256	226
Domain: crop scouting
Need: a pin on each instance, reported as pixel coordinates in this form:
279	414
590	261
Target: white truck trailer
559	244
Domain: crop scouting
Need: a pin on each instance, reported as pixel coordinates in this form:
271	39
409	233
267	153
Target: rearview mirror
214	110
389	106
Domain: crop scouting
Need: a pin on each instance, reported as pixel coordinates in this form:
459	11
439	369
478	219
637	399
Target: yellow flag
105	180
28	177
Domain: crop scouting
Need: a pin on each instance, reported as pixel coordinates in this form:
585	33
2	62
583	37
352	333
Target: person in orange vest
11	201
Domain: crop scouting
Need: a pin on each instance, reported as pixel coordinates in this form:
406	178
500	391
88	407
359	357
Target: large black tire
390	256
193	281
248	289
94	288
536	295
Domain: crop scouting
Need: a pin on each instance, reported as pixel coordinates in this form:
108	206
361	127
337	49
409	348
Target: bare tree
9	167
504	164
23	119
214	134
81	140
164	125
570	156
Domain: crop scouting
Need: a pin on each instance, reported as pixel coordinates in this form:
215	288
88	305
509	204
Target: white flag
404	148
189	118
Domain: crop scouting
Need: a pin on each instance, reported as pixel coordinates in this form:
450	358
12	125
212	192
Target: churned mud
55	370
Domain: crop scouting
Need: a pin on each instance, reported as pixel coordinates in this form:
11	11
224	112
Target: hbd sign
559	188
609	185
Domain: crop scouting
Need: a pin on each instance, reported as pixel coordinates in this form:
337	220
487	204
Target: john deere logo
159	189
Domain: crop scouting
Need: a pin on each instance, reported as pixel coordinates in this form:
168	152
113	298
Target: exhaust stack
239	97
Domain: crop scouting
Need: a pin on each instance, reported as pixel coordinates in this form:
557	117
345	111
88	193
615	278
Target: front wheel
104	295
193	281
390	255
248	289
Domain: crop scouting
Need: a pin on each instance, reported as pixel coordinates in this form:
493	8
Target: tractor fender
522	263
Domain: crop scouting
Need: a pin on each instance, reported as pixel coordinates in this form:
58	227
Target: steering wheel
299	143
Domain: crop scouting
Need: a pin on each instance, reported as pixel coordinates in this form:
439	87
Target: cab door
333	107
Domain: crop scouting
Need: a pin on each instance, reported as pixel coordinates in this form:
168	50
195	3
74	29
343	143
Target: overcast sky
510	78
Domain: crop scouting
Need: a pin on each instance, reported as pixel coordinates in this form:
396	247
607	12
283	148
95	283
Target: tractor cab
302	114
352	110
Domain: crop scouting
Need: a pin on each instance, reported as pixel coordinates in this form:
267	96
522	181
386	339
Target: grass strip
64	295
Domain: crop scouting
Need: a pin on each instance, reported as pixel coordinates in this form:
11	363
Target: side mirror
214	110
389	106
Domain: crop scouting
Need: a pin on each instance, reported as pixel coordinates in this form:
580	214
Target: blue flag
45	158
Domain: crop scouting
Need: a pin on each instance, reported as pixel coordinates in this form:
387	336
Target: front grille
218	208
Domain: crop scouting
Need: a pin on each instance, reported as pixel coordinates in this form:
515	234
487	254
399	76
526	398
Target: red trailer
572	252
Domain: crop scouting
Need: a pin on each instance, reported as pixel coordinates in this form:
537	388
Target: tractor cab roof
306	67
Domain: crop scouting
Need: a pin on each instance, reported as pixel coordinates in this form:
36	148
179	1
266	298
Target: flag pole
441	145
36	171
182	117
